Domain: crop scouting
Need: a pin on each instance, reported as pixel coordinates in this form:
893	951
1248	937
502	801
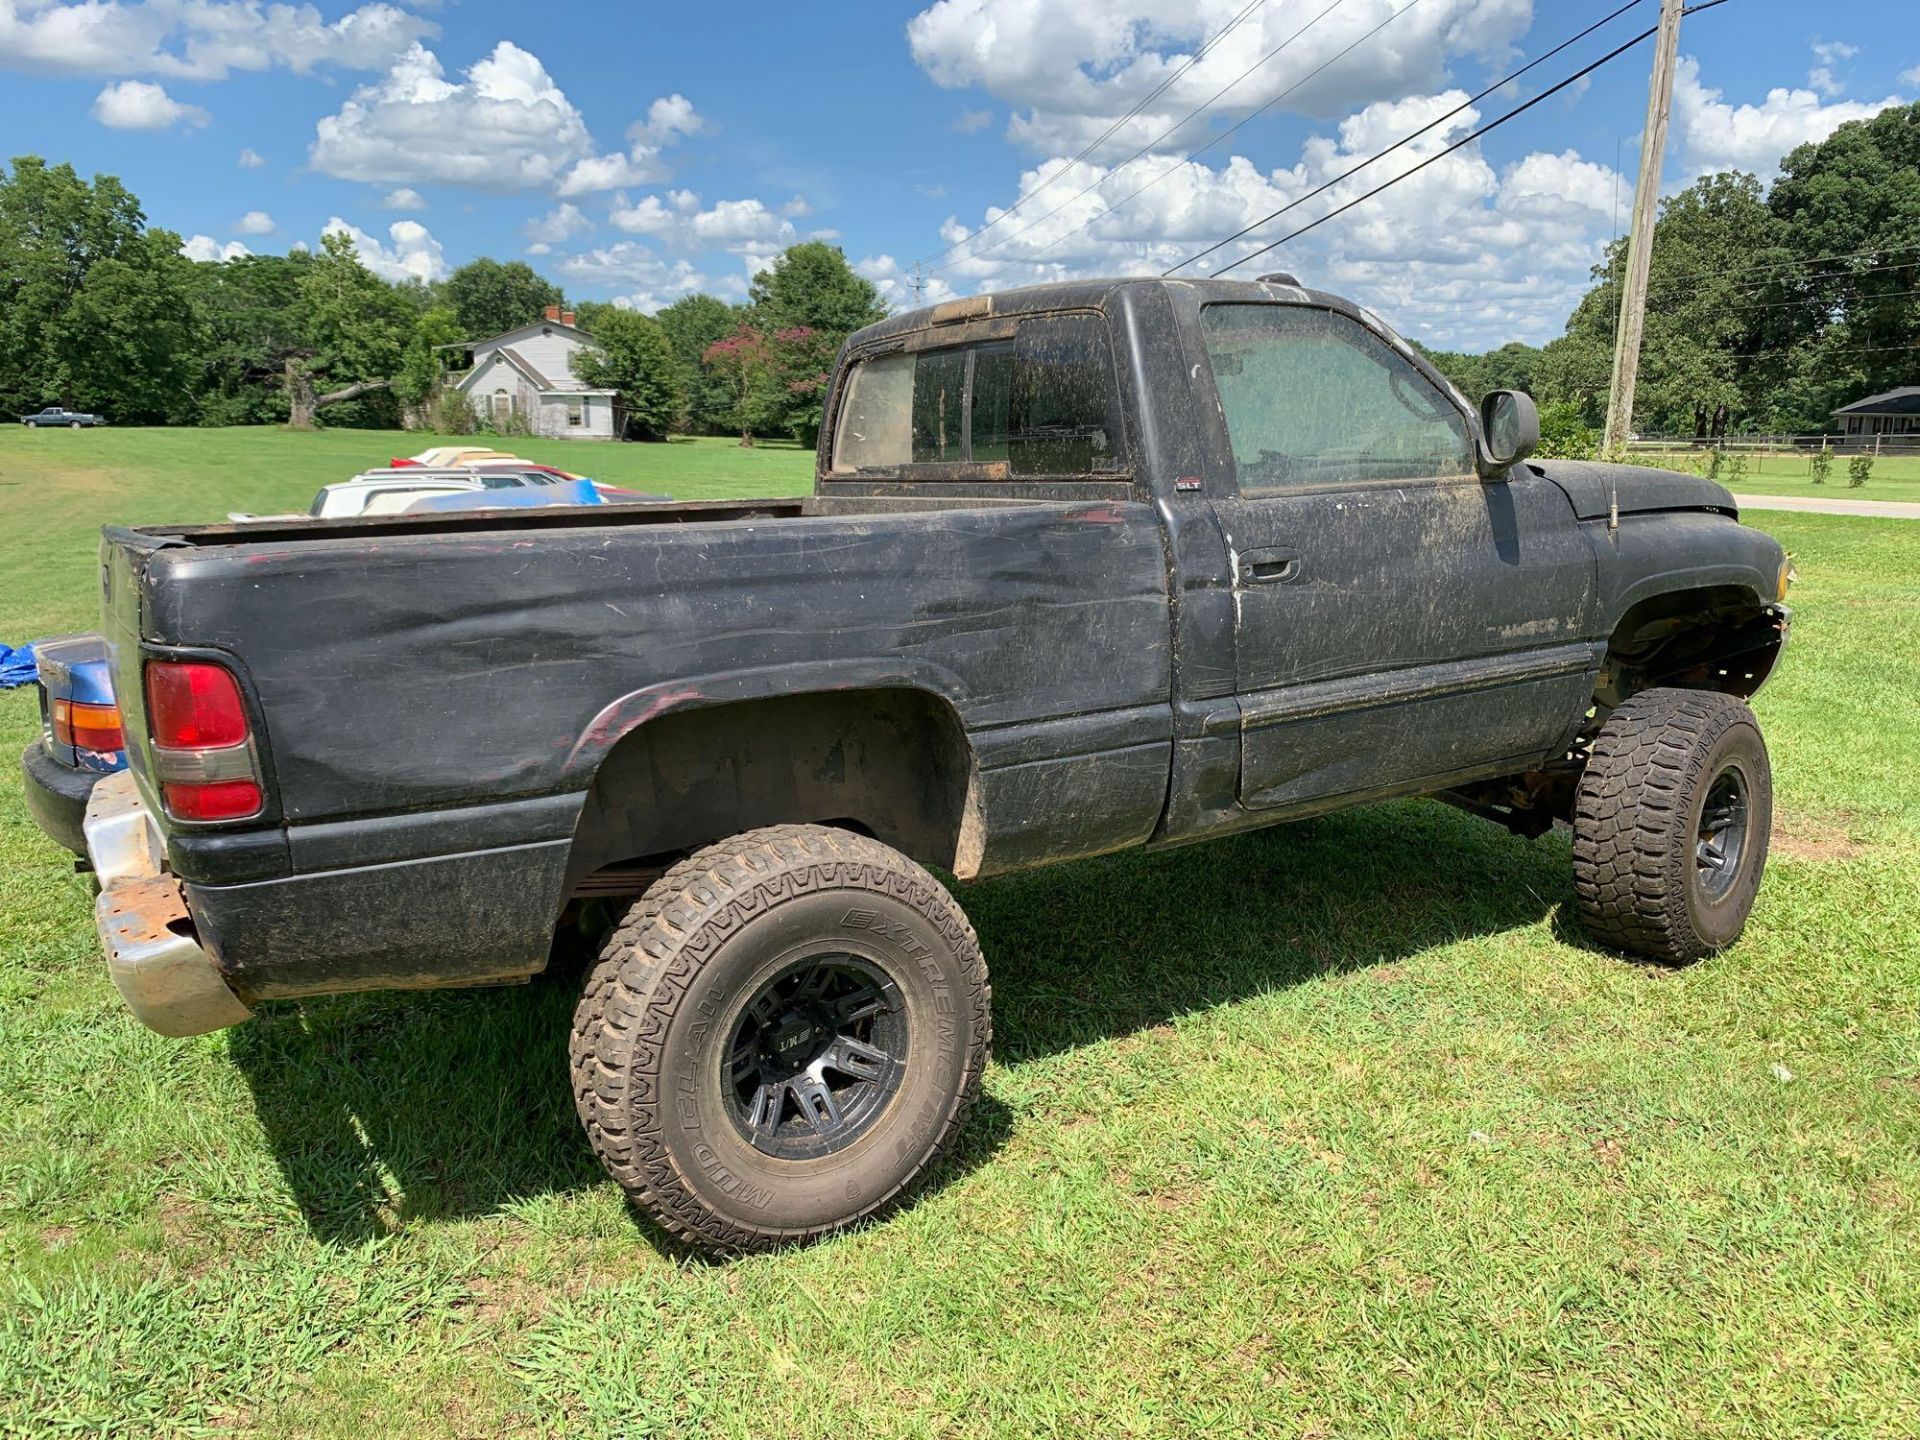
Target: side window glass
1062	403
1313	397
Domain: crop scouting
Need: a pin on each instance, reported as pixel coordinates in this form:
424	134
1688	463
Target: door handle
1274	566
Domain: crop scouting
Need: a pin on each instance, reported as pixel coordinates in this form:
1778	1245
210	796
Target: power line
1108	133
1761	282
1491	125
1184	121
1408	138
1782	265
1186	160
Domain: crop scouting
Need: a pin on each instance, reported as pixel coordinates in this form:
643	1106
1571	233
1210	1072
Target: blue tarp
16	666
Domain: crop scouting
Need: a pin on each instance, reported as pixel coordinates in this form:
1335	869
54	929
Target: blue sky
639	152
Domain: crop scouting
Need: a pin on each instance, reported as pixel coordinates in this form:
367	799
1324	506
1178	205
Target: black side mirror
1509	426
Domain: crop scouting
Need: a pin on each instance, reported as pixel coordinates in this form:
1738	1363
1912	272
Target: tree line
1769	307
100	311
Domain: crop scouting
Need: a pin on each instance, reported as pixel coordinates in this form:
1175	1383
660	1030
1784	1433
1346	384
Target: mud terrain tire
707	1043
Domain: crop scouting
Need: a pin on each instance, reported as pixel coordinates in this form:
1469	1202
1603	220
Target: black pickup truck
1087	566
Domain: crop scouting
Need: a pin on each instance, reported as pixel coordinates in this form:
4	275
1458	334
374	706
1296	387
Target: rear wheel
76	425
1671	825
781	1038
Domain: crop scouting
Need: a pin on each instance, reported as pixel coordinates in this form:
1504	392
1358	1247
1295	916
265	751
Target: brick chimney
566	317
552	312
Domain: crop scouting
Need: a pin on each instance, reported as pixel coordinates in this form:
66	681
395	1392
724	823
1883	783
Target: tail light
203	753
86	726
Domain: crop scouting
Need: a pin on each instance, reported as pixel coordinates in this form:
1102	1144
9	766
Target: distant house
527	375
1897	412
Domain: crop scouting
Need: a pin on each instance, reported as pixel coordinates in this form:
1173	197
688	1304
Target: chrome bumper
156	961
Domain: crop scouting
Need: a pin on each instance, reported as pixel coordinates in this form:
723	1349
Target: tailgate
123	564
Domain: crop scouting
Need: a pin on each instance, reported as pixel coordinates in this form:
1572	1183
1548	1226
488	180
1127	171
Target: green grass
1894	477
1338	1129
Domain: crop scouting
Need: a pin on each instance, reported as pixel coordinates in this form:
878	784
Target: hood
1591	484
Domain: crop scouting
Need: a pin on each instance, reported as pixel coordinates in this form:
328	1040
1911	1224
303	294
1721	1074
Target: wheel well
1723	638
894	764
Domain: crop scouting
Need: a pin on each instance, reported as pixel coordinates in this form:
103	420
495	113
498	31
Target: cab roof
1093	295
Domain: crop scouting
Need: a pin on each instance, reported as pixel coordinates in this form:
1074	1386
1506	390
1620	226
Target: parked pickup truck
1086	566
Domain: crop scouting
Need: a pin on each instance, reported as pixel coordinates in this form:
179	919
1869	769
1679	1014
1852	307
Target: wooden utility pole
1646	198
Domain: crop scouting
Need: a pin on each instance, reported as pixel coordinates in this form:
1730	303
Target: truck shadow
382	1109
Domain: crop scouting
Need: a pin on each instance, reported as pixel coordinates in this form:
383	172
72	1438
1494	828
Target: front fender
1664	554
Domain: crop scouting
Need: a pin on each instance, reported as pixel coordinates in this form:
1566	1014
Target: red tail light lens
201	758
192	705
220	800
86	726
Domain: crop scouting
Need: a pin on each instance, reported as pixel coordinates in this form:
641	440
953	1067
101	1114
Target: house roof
569	386
1903	401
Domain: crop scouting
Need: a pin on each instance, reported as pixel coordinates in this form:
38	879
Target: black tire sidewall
764	1193
1718	922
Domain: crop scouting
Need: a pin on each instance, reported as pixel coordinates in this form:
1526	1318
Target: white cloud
1715	135
797	208
405	198
1462	253
557	226
639	166
205	247
255	222
1069	68
668	118
197	39
142	105
652	281
1829	53
1910	77
414	254
506	127
740	226
967	122
251	160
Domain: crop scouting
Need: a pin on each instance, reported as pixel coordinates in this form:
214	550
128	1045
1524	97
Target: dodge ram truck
1086	566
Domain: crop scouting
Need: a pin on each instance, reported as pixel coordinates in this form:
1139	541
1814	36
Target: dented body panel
464	719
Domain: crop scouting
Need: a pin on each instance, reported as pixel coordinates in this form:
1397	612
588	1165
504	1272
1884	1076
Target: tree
247	314
740	365
634	357
811	285
355	326
91	301
694	323
491	298
793	388
422	368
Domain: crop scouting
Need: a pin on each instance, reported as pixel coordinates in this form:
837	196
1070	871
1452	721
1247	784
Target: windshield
1311	397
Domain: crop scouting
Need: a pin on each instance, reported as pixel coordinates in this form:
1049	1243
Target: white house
1892	412
527	375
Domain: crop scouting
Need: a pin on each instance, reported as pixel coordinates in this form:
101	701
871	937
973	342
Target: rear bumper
154	956
57	796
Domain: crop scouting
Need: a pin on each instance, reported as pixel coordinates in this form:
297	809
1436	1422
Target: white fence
1769	445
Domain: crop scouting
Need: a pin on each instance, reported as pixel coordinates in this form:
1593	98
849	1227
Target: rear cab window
1040	405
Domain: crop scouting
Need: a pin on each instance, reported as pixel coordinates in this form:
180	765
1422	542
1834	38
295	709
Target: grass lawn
1338	1129
1894	477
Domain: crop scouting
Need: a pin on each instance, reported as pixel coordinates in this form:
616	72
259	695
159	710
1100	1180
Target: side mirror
1510	427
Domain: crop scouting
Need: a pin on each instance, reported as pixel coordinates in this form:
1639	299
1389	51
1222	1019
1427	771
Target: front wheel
1671	825
781	1038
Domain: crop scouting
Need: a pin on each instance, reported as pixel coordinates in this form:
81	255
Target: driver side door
1400	623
